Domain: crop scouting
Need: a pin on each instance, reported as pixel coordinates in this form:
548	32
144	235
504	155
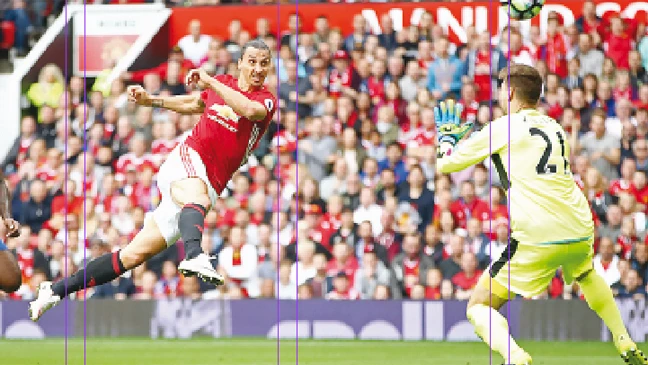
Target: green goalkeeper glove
447	117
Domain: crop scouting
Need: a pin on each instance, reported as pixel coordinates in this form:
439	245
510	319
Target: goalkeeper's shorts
527	269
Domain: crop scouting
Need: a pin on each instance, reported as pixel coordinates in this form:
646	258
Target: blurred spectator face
169	270
341	251
341	283
417	293
152	82
381	293
364	231
640	149
628	168
321	25
294	23
441	47
234	29
359	24
367	197
320	263
138	146
614	216
340	168
468	263
305	292
456	245
138	216
37	191
606	249
284	272
334	205
395	66
467	191
434	278
76	85
639	180
597	124
347	219
632	280
237	237
474	227
37	151
306	251
353	184
616	26
432	235
123	127
634	59
28	126
411	245
148	282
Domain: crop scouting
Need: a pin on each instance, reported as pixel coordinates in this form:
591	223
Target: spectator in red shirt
410	267
466	279
589	22
554	51
342	288
343	79
618	44
467	205
343	260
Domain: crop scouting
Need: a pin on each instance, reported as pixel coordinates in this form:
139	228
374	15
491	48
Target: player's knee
202	199
132	259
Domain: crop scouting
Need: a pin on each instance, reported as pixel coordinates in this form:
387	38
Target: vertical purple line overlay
278	172
65	183
297	19
85	212
490	177
510	173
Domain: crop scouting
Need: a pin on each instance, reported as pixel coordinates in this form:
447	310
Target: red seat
8	34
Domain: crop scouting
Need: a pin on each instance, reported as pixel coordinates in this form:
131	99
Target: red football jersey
223	139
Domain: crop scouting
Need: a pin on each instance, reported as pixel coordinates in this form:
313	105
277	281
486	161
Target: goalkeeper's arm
472	150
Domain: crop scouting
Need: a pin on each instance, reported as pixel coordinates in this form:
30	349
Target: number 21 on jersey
543	166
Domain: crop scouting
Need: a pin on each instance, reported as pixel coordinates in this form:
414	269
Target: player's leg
600	299
192	195
491	326
10	275
146	244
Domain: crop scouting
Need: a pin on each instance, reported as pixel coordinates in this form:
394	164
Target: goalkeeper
551	222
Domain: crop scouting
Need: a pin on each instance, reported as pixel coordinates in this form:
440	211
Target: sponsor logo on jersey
224	115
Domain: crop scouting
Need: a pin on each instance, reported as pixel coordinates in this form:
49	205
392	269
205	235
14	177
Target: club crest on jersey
268	103
225	116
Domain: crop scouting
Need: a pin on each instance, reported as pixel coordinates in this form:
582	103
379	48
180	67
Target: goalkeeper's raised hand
447	117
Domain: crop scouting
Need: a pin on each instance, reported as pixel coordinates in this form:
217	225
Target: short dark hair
256	44
525	79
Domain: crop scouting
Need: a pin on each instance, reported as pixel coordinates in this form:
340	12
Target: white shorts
183	162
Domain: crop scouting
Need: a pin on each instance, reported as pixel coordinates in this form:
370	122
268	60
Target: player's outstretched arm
250	109
183	104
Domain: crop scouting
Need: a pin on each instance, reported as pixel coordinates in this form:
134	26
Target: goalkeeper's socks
101	270
600	299
191	223
497	336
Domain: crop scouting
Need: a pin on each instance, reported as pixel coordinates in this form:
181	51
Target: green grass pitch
138	351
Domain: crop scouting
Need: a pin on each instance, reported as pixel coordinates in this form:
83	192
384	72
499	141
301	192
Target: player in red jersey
10	275
235	114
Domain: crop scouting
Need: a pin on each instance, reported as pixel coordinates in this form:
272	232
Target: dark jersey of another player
224	139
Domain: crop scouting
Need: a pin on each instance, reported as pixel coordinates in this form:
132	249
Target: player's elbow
255	112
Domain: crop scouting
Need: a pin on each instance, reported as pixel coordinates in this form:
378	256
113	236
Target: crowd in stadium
341	199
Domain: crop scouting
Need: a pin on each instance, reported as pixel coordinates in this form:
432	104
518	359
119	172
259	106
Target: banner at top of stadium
453	17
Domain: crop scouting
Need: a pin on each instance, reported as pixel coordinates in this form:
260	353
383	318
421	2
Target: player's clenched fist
137	95
198	77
